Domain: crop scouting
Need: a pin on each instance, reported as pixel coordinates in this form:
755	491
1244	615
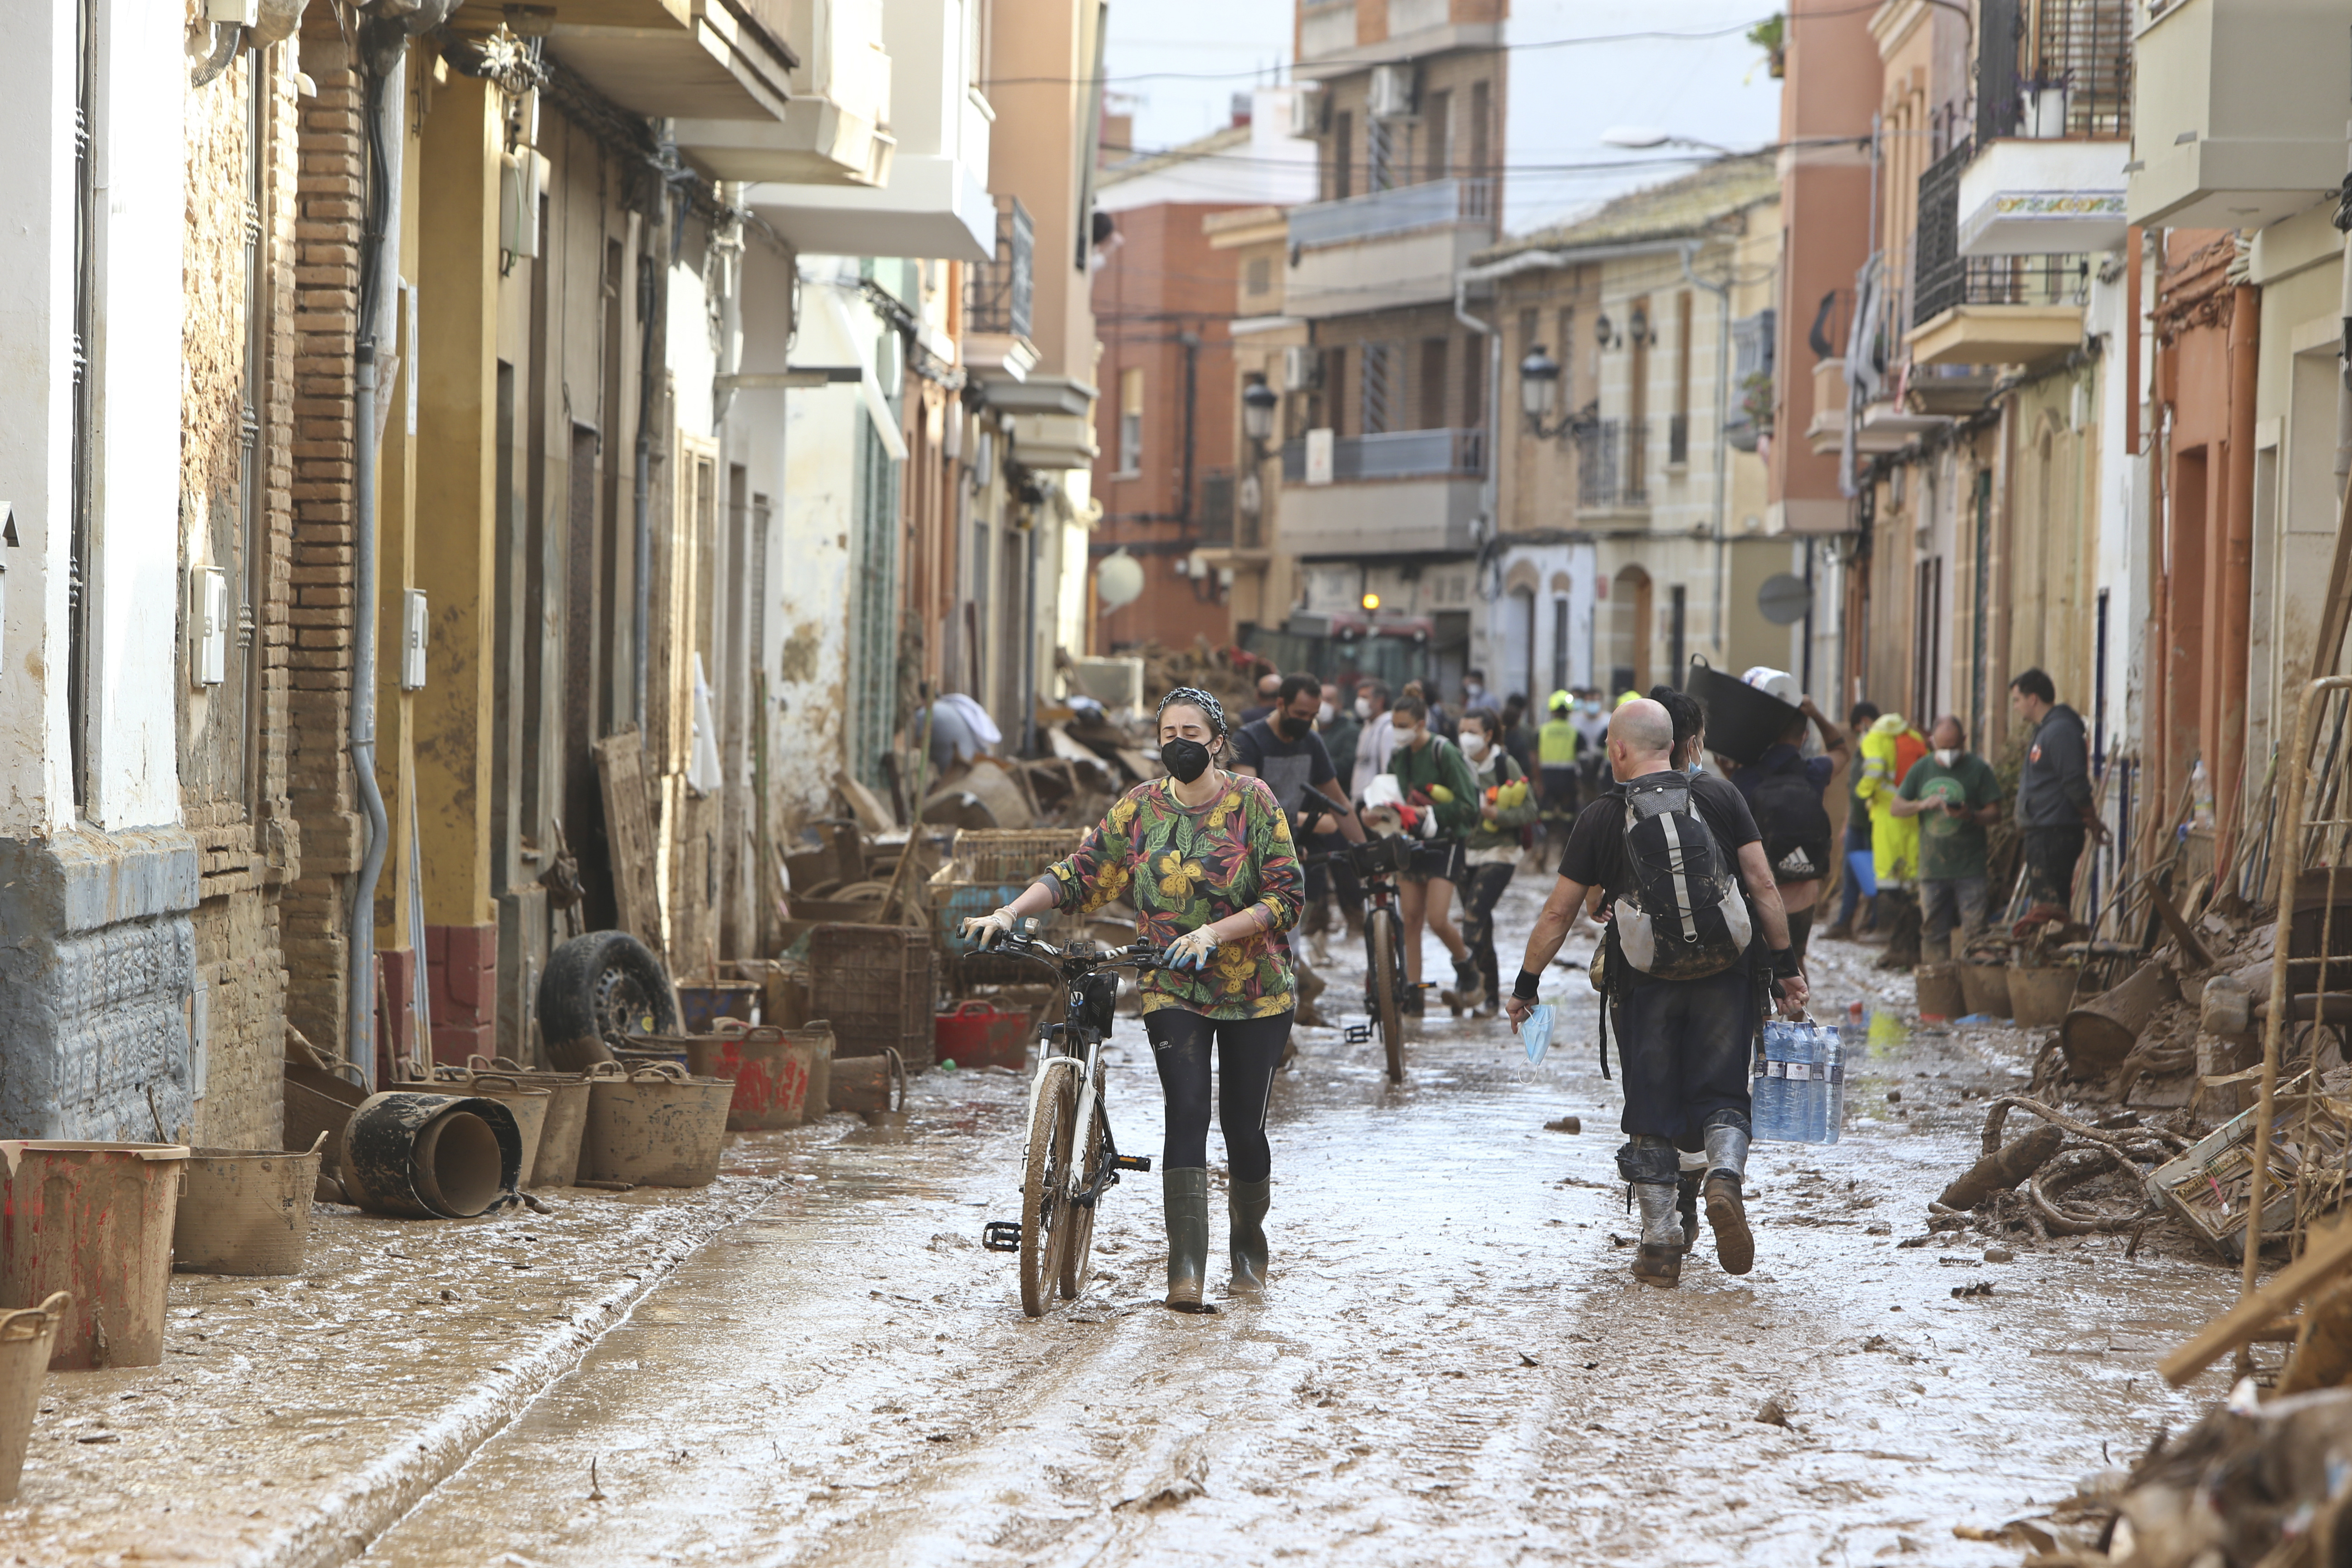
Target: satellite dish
1119	580
1784	600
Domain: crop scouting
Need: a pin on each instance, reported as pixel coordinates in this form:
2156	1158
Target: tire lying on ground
599	987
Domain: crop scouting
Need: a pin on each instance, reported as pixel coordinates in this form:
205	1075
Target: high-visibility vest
1557	743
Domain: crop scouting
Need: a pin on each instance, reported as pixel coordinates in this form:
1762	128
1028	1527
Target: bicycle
1056	1233
1376	862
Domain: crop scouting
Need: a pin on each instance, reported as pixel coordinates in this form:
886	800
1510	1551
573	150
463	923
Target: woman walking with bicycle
1206	857
1435	779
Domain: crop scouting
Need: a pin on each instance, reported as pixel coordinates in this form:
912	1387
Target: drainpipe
376	264
650	343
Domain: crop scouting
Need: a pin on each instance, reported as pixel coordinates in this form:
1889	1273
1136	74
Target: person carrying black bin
1785	790
2053	795
1674	854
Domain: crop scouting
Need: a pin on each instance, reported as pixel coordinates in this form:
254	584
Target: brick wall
318	598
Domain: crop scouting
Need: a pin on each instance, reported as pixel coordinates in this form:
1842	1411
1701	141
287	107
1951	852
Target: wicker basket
874	985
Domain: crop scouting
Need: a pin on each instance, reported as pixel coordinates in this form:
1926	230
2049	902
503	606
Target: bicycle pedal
1356	1034
1133	1162
1001	1235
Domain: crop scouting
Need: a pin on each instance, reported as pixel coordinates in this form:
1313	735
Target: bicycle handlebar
1137	955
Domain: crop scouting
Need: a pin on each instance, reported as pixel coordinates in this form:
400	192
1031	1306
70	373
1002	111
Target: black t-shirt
1290	768
1595	855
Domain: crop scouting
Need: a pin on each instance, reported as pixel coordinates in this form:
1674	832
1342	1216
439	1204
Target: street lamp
1539	384
1258	404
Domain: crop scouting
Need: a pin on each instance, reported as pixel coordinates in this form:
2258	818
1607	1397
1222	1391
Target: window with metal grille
1378	391
874	606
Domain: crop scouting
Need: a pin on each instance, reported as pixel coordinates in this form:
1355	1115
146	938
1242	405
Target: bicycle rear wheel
1384	957
1045	1205
1077	1243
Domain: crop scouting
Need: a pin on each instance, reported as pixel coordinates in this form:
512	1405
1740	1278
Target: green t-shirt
1951	847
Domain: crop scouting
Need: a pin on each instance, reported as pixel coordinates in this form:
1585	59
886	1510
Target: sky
1562	100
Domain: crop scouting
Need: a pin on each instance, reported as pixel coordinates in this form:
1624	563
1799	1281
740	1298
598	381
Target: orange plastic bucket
93	1220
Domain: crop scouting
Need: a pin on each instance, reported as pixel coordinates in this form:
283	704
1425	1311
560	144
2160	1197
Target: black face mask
1293	729
1188	759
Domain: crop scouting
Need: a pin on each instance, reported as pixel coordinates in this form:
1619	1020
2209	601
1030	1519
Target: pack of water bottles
1800	1088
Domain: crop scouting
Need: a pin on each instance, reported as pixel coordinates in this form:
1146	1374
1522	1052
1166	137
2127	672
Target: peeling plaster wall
811	600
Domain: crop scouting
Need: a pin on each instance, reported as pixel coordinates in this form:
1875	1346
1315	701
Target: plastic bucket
657	1126
245	1212
815	1042
2041	996
27	1338
93	1221
871	1086
321	1102
701	1003
1986	986
1941	996
2101	1033
566	1129
430	1156
771	1085
528	1103
1742	720
981	1034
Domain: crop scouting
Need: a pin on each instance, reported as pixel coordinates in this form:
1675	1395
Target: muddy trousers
1684	1047
1248	1051
1482	888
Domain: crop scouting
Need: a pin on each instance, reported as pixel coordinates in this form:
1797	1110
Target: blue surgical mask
1693	769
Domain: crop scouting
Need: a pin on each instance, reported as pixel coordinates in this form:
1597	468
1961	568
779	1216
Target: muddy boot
1245	1204
1727	1208
1687	1207
1412	1004
1660	1260
1467	990
1185	1193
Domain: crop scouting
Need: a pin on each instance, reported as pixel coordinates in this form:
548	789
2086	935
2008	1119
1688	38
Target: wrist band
1784	963
1528	986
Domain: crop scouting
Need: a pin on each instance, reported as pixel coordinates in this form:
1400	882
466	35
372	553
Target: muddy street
1454	1363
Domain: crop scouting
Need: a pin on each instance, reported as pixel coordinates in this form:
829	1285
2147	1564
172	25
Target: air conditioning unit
1392	91
1302	369
1305	110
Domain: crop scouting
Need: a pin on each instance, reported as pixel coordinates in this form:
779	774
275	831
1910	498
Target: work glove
987	931
1192	950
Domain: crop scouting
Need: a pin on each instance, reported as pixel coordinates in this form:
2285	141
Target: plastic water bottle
1537	1032
1834	1102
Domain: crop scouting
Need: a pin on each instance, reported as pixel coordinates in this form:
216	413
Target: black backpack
1687	918
1794	823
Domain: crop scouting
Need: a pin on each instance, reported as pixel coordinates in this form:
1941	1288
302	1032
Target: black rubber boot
1727	1203
1686	1205
1660	1260
1246	1205
1468	989
1185	1193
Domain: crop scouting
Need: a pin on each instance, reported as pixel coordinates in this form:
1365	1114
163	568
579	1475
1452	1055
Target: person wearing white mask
1490	851
1958	795
1376	740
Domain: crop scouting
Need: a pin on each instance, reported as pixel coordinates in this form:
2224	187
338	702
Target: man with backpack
1786	791
1674	854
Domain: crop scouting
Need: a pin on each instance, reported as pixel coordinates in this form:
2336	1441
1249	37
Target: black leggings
1480	893
1248	1051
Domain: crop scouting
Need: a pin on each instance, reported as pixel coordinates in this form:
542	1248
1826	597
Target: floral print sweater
1183	866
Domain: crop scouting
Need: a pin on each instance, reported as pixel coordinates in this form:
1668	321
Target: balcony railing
1935	261
1610	471
1395	455
2004	281
2053	69
1400	210
997	293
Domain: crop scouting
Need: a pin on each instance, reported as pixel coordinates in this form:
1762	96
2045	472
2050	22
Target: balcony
2040	198
1612	468
725	59
2000	310
1402	30
1826	432
998	292
1402	493
1392	247
923	188
2239	108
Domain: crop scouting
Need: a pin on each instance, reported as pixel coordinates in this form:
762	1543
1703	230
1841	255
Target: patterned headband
1194	697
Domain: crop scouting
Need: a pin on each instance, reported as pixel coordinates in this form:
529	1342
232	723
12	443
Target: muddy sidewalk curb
388	1486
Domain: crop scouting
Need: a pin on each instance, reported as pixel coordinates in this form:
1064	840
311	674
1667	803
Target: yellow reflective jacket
1893	840
1557	743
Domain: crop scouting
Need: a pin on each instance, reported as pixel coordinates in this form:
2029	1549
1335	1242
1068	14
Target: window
1378	392
1432	384
1559	646
1474	383
1130	422
1437	115
1481	156
1527	330
1259	277
1343	155
1678	432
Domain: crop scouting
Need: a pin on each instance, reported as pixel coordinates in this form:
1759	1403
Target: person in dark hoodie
2056	810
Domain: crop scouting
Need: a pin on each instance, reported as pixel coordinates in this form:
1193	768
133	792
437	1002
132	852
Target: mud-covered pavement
1454	1364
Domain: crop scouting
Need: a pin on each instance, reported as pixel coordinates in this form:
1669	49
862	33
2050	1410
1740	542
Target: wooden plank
629	834
2326	1254
864	804
2190	948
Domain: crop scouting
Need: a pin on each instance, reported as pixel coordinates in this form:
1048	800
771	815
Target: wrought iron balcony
1612	466
2053	71
2032	280
997	293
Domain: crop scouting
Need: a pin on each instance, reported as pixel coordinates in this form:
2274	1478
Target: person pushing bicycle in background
1207	859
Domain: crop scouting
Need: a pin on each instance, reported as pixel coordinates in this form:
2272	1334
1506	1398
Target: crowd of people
1701	874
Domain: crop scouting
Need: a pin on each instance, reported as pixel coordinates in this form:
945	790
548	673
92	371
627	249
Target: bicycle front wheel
1384	958
1044	1204
1077	1243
